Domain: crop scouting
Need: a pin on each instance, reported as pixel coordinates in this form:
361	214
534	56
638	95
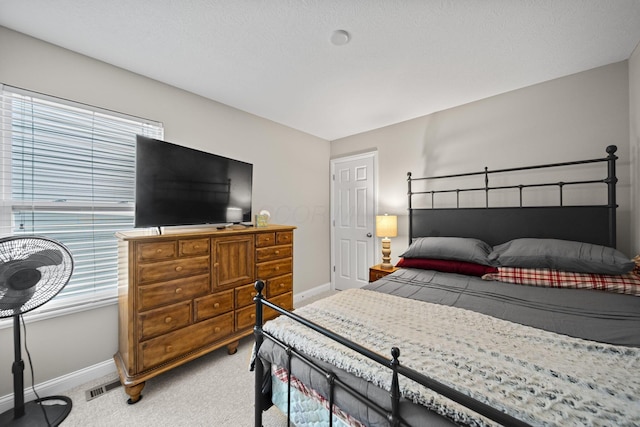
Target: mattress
591	315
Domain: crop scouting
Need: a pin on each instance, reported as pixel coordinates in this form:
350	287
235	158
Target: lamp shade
386	226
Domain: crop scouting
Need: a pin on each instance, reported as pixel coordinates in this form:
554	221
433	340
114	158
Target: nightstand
377	272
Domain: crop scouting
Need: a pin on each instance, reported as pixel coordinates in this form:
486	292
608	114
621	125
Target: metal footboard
393	416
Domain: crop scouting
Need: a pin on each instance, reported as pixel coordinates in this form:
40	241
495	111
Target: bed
509	315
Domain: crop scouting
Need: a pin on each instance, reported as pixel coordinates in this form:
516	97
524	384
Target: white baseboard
301	297
62	384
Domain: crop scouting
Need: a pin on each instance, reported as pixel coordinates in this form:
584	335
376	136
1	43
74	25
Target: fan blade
46	257
14	299
23	274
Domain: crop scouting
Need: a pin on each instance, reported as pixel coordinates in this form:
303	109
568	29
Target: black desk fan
33	270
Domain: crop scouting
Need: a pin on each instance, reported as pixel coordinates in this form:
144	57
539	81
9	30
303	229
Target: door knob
369	234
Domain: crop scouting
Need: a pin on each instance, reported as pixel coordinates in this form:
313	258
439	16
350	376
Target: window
68	173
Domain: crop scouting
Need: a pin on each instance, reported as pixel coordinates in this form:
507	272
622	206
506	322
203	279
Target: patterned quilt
540	377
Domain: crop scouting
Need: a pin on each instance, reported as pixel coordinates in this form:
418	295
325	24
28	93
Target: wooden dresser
184	294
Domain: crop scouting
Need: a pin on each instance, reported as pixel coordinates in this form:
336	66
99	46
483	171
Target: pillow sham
562	255
452	248
623	284
447	266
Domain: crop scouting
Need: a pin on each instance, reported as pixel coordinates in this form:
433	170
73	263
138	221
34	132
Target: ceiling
274	59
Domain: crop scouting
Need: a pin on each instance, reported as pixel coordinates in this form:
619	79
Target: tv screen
176	185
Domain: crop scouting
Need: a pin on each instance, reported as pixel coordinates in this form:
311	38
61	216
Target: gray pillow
561	255
453	248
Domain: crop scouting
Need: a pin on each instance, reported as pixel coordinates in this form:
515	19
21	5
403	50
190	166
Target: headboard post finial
486	186
611	181
409	205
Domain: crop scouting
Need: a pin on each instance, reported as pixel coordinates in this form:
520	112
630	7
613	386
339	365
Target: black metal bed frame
487	221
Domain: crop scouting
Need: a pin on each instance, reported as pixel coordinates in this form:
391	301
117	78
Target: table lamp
386	226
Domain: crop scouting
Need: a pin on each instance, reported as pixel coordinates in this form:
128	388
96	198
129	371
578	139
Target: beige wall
634	114
291	171
571	118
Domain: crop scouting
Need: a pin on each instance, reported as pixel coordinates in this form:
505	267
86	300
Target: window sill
56	309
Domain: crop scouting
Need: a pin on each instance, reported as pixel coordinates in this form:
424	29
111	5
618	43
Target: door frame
363	155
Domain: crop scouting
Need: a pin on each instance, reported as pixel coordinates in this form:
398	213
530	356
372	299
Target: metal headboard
494	225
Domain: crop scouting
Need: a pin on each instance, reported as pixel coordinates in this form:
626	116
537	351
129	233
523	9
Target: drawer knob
277	252
216	305
253	315
282	285
217	329
159	251
277	268
179	268
253	294
168	349
168	319
178	290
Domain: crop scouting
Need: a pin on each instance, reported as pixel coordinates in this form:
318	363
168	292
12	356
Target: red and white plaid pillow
624	284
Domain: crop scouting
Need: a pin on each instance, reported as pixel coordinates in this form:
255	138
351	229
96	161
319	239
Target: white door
353	204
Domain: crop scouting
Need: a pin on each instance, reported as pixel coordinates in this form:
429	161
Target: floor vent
101	389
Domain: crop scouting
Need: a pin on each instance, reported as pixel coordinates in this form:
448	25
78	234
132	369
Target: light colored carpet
215	390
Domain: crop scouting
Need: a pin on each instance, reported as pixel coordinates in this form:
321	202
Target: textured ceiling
274	58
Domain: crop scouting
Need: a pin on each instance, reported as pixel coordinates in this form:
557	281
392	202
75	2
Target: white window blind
68	173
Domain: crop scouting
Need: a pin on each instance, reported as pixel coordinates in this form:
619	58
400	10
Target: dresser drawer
284	237
178	343
157	251
273	252
168	270
269	269
162	320
285	301
213	305
151	296
245	294
246	317
193	247
279	285
265	239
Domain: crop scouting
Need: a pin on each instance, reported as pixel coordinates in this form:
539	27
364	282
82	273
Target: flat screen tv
177	185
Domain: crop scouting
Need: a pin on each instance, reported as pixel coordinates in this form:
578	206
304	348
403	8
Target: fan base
56	407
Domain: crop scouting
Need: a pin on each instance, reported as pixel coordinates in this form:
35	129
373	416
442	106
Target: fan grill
33	270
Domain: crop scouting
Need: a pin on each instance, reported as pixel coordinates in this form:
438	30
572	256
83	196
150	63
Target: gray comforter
589	314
